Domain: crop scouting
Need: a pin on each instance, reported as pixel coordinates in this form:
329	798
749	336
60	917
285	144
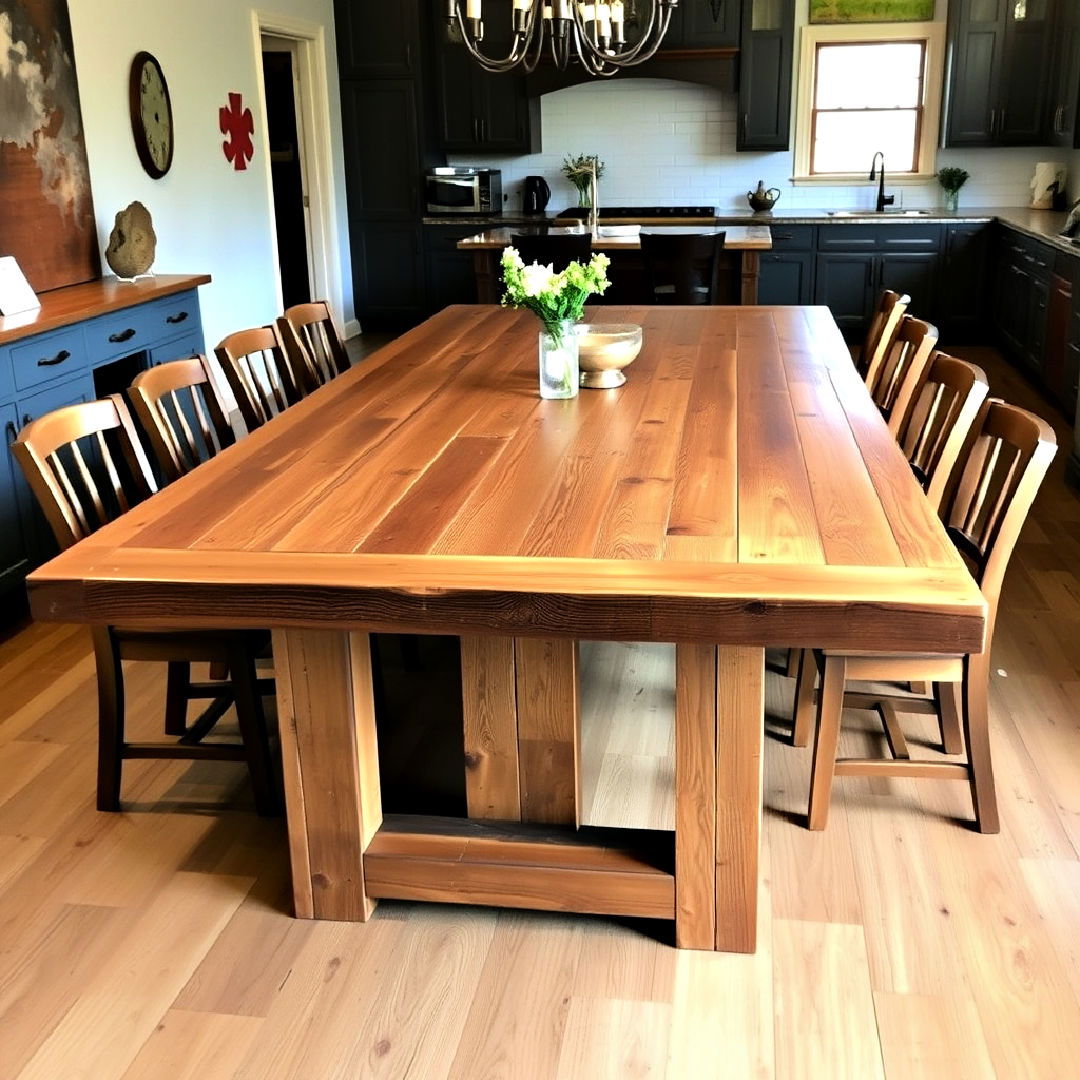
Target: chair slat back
681	269
903	364
259	374
82	487
180	410
312	343
1002	474
555	249
943	412
890	310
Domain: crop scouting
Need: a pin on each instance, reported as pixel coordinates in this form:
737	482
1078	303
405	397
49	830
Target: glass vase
952	201
584	197
559	361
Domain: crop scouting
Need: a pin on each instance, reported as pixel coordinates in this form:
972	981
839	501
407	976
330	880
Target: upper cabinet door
378	40
976	48
765	66
1025	83
706	24
1064	97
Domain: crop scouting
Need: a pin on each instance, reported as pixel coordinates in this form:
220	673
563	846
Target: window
860	94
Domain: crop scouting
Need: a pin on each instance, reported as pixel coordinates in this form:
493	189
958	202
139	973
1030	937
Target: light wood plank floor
899	944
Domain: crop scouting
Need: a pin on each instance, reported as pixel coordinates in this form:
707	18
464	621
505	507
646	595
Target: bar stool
681	269
557	250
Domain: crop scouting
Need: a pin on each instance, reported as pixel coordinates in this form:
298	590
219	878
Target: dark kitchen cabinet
998	81
914	273
1064	97
388	272
451	276
845	283
477	111
962	289
787	272
704	24
765	67
378	40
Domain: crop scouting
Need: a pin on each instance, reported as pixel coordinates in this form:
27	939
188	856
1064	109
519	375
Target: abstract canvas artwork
856	11
46	210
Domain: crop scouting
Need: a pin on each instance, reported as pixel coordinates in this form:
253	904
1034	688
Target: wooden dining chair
86	467
312	343
179	407
682	269
1001	475
557	250
893	381
890	310
259	374
940	421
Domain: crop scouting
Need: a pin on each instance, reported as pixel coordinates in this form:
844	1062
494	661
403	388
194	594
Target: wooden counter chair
553	249
887	315
312	342
179	408
1001	475
260	375
681	269
899	373
86	467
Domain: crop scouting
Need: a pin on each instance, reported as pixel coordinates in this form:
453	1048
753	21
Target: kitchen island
737	276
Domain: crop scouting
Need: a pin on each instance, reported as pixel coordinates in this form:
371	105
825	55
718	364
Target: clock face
151	115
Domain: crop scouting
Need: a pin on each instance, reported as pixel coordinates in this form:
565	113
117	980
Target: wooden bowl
604	349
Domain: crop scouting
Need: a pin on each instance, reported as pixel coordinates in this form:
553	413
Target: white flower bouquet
555	299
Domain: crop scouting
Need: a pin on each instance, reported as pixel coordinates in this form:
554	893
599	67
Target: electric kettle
535	195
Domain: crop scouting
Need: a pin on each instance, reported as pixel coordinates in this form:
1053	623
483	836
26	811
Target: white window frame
933	33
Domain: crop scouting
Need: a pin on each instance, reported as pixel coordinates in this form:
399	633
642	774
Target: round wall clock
151	115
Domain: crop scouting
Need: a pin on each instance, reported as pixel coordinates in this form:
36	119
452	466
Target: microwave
463	191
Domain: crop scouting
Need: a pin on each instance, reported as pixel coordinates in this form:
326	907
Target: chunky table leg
326	716
695	796
740	733
549	730
489	705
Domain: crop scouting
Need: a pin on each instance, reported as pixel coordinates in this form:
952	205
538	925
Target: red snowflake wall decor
238	124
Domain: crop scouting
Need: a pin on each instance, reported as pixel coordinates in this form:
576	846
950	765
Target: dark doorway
287	172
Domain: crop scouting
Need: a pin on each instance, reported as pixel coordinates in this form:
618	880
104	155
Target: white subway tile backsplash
671	142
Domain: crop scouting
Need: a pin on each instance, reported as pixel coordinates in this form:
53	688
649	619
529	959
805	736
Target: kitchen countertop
1041	224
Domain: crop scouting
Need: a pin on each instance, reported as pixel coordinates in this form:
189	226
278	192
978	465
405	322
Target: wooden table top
741	487
737	237
72	304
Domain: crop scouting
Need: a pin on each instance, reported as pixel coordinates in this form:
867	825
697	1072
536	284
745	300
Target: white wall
208	217
669	142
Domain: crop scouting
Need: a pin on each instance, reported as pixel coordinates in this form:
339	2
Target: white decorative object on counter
1049	179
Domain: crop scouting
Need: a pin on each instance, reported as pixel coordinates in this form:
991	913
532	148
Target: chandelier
593	34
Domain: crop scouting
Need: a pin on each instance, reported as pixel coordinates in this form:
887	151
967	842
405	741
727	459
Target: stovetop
634	212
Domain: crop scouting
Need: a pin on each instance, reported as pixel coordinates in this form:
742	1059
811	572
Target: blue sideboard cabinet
85	341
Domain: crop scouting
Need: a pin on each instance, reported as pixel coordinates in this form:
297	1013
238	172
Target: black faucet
883	200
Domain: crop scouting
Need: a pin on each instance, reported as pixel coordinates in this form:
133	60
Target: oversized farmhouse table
739	491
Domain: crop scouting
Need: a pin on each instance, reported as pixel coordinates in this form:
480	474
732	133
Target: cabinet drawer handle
179	317
59	358
26	419
12	434
122	335
782	236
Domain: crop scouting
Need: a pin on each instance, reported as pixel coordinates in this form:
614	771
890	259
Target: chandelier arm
495	65
641	59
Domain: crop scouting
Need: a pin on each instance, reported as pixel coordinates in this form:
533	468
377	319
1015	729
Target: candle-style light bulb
473	9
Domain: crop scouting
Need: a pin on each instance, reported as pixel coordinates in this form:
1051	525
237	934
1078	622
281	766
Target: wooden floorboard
897	944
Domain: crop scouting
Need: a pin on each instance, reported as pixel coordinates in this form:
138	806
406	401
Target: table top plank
741	474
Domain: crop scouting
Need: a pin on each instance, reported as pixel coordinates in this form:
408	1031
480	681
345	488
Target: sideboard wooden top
62	307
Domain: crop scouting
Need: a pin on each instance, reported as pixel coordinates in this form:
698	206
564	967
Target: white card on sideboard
15	293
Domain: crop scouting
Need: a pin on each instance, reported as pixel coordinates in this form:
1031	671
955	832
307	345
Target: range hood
717	68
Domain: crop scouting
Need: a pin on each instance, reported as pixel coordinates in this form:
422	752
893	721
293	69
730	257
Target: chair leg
252	721
177	683
950	706
830	709
794	663
110	687
977	736
804	697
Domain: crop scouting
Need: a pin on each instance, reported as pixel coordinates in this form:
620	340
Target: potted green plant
579	170
558	300
952	179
